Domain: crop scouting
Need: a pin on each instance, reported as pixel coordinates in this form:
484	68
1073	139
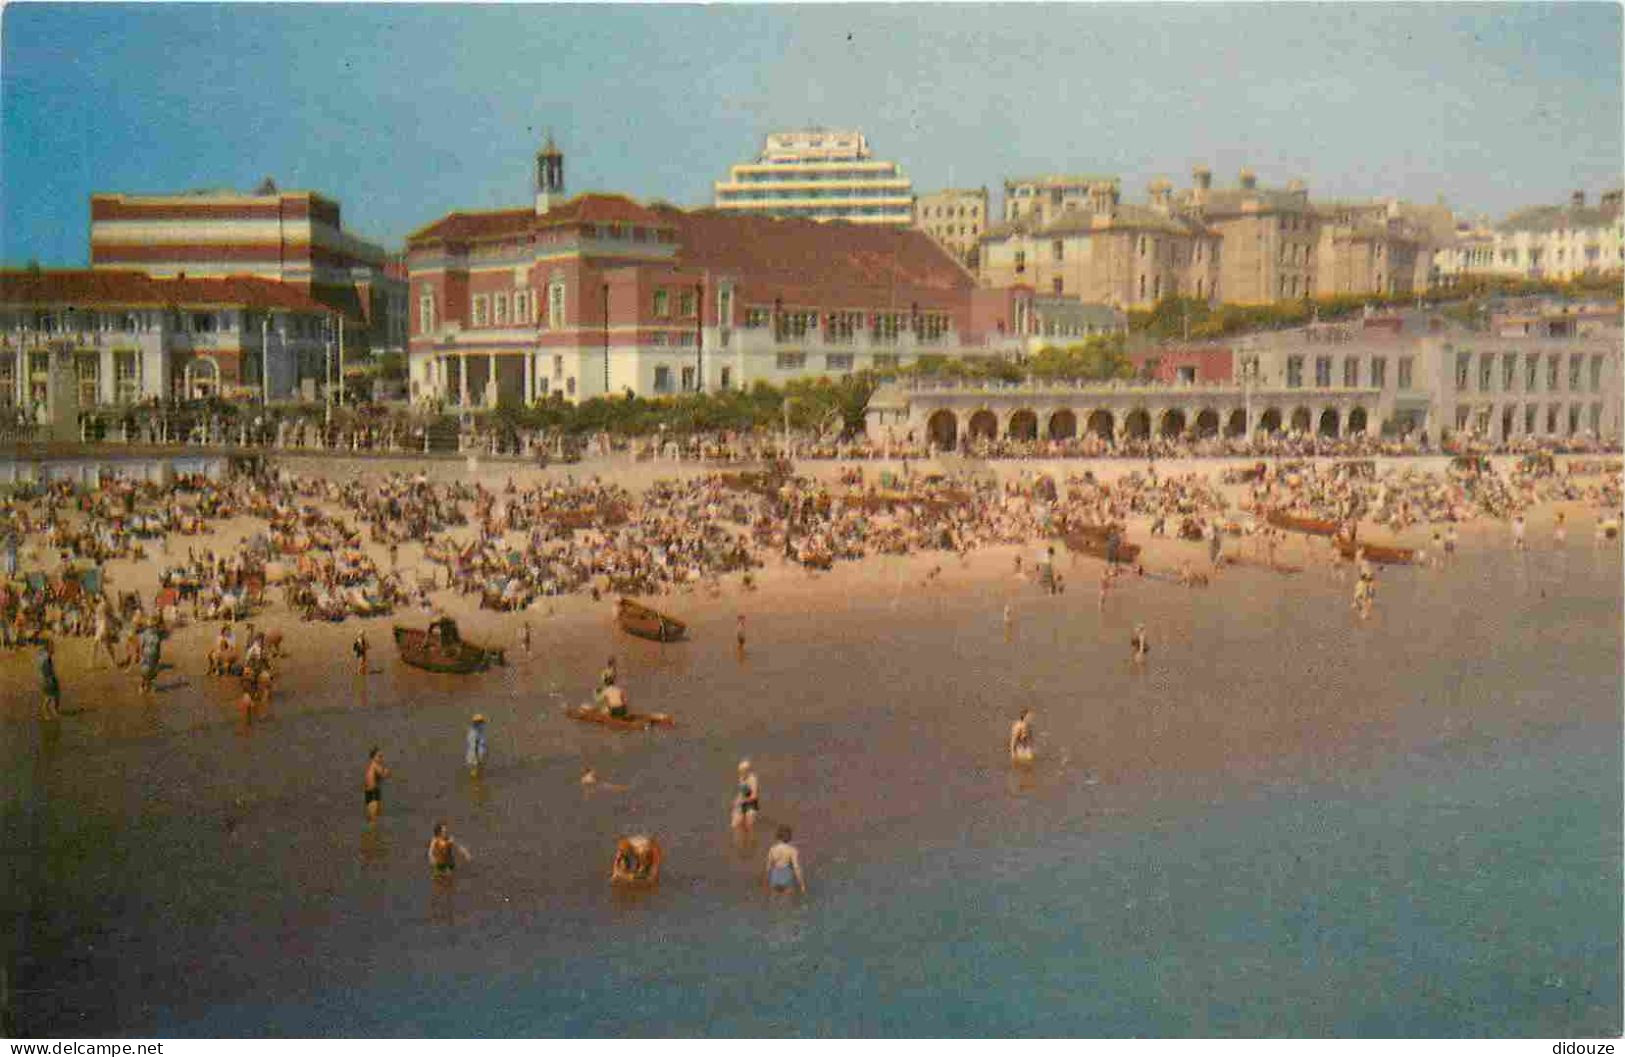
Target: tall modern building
819	174
291	237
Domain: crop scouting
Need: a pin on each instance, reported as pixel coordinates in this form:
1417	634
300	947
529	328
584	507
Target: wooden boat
1087	540
637	619
1376	552
1313	526
631	721
438	648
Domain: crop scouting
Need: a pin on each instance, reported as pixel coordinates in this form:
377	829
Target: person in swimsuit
359	648
1560	531
1021	738
443	851
1140	643
524	636
613	698
637	861
784	865
739	632
372	786
747	798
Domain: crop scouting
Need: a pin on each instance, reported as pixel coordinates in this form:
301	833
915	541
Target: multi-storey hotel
819	174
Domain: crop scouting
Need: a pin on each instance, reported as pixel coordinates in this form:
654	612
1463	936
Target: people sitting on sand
637	861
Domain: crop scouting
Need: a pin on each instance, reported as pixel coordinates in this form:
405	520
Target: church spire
549	176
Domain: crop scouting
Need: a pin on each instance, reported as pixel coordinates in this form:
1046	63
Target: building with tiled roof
1106	251
1370	247
1039	198
292	237
1544	242
1270	235
598	294
83	339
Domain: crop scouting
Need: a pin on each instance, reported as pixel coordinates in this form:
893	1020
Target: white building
819	174
1542	242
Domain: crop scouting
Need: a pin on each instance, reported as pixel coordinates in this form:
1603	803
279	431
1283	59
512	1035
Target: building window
1509	372
1551	374
1323	372
1294	372
883	328
838	361
790	361
1575	364
1057	250
1531	375
661	308
1574	419
662	379
1596	374
1529	412
931	328
499	309
685	304
795	325
1486	373
725	307
124	377
1379	371
1405	364
726	379
1351	372
1021	261
1464	363
1596	420
1057	285
426	314
1551	419
570	386
688	379
841	328
555	305
482	310
757	318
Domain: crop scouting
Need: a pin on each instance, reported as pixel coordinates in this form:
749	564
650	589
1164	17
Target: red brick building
599	294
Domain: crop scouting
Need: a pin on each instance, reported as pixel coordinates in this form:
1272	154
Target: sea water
1289	822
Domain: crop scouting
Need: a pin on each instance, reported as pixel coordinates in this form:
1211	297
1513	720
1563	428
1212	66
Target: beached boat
1376	552
1094	540
637	619
630	721
1313	526
439	648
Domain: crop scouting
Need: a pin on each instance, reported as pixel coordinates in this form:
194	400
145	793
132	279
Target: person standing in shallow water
784	865
443	851
359	648
372	785
475	756
747	798
1021	738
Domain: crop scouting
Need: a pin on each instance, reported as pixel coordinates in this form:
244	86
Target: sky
405	113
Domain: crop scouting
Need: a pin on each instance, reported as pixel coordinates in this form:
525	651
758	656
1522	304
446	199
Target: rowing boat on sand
630	721
638	619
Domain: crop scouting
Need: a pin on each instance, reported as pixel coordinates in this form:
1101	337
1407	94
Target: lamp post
327	377
699	337
606	341
265	360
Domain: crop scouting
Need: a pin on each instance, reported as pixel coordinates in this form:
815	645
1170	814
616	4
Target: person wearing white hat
747	798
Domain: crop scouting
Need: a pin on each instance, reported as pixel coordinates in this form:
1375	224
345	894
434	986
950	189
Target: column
528	358
104	377
462	379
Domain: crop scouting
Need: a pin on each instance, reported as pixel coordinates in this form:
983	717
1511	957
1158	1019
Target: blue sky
404	113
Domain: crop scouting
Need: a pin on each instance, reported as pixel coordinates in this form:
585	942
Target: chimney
1578	200
1247	179
1201	183
1610	201
1161	196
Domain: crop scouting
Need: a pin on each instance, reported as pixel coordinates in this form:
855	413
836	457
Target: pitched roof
825	264
1124	217
123	289
1557	218
1231	201
582	209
